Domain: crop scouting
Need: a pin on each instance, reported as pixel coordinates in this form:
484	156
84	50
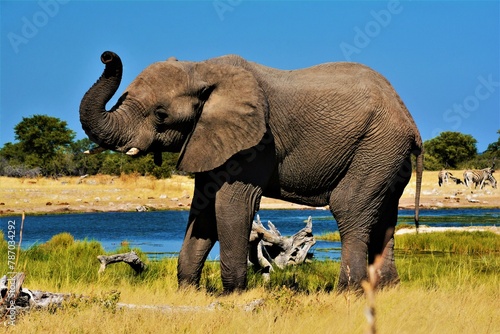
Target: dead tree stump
268	247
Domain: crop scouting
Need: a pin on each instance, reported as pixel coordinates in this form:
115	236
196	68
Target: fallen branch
130	258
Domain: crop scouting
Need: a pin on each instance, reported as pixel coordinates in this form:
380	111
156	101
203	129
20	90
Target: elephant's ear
232	117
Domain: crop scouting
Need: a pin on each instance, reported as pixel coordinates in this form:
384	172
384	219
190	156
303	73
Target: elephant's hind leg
381	250
381	246
358	213
353	267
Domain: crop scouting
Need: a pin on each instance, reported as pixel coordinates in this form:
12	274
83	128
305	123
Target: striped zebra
479	176
444	176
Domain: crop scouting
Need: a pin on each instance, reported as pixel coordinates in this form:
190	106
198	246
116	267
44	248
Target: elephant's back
346	104
328	115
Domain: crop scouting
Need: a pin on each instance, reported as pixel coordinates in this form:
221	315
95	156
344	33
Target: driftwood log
268	247
130	258
16	299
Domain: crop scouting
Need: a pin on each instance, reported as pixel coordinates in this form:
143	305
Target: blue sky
441	56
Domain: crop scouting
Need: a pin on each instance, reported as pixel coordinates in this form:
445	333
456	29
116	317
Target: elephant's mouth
136	152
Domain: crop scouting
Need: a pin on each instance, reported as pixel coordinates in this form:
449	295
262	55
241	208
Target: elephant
335	134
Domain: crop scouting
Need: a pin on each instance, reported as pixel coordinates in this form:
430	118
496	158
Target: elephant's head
207	111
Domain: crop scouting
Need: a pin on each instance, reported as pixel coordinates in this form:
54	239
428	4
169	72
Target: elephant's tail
418	187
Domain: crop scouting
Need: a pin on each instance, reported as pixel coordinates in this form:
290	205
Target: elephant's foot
384	280
187	280
388	282
385	277
351	276
234	279
385	267
349	287
388	277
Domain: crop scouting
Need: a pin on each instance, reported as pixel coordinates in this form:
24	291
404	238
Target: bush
20	170
59	241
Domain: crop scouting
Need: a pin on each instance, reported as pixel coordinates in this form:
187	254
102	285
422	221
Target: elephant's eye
161	114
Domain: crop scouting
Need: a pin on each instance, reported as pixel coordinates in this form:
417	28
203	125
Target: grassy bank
440	292
464	243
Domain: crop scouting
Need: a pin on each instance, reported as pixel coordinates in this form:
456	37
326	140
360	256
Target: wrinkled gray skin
335	134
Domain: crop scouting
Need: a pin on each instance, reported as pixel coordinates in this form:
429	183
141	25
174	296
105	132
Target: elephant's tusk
133	151
95	150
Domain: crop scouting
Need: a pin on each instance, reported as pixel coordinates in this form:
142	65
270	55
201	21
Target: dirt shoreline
134	193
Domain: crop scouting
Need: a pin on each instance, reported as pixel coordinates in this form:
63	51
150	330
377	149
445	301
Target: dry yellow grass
402	310
127	192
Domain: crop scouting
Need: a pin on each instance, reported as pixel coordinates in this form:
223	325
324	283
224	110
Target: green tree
13	153
117	163
486	159
451	148
86	163
431	163
45	145
494	148
42	142
14	162
43	135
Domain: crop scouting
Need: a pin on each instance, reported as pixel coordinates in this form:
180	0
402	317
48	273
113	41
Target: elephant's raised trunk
98	123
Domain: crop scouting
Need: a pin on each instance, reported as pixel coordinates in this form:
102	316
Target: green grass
329	236
447	271
459	287
63	262
468	243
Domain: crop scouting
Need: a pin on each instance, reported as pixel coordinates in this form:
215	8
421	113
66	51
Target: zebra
445	176
479	176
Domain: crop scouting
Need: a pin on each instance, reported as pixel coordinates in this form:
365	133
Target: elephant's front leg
200	237
235	207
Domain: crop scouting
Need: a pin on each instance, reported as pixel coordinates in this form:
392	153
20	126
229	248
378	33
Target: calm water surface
160	233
